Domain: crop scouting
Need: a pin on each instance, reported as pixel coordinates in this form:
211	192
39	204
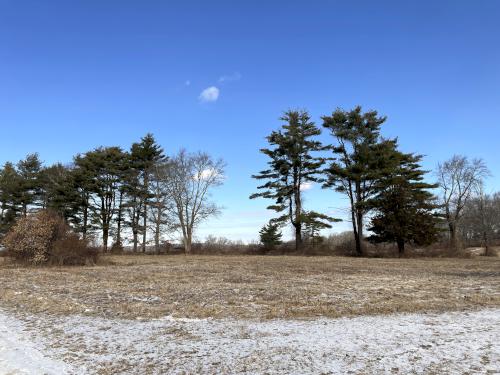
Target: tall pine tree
358	161
144	156
292	164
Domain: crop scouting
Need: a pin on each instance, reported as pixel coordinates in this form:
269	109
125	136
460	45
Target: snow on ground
453	343
19	355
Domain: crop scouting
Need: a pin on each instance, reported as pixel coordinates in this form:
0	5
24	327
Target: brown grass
252	286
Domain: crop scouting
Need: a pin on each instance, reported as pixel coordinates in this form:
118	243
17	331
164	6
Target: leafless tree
192	176
459	178
481	219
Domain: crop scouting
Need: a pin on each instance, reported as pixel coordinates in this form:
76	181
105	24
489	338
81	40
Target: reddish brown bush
43	238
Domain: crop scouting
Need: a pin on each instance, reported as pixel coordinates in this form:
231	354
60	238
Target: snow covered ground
453	343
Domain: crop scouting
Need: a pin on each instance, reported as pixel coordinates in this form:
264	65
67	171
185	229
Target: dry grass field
251	315
251	287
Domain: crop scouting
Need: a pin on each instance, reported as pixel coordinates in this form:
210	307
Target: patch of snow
20	355
456	342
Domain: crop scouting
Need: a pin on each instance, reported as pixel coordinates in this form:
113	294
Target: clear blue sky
75	75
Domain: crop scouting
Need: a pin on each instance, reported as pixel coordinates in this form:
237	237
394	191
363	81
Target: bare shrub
43	238
116	248
223	246
71	250
341	244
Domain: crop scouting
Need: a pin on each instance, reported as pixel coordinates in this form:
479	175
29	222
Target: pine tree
30	189
145	155
9	188
104	164
405	209
292	165
358	161
314	222
270	236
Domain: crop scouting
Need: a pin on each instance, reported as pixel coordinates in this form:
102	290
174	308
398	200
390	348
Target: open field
252	287
252	315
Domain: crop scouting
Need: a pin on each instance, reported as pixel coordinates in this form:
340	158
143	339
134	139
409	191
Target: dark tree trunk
157	235
359	240
134	234
145	219
85	221
401	247
453	236
105	233
119	224
298	236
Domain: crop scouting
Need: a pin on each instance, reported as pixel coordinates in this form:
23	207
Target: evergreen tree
314	222
145	155
133	201
358	161
77	195
405	209
292	165
53	183
270	236
9	188
104	165
30	187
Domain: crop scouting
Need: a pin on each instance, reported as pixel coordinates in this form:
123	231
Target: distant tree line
140	193
385	187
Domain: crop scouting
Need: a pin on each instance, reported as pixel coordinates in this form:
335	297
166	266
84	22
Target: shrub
116	248
71	250
43	238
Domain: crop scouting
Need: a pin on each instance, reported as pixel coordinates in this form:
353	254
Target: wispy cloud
236	76
210	94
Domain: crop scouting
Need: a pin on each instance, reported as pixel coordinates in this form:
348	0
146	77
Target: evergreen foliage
292	164
270	236
405	209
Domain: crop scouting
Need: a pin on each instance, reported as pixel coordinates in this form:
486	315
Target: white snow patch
20	355
457	342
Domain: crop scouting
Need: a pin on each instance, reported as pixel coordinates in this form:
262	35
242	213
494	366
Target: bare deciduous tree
481	220
191	178
459	178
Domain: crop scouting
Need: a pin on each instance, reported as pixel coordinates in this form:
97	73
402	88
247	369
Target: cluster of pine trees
370	170
112	191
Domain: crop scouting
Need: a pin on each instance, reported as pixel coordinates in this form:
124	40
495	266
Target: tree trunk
145	219
85	221
105	232
298	236
119	224
355	232
359	241
359	221
157	236
453	236
187	245
134	234
401	247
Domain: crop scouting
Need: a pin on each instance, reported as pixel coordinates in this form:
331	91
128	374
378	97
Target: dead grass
143	287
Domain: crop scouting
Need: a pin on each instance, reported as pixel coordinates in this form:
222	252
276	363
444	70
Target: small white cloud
306	186
207	174
230	77
187	83
210	94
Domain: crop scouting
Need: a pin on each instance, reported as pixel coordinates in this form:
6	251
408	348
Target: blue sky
75	75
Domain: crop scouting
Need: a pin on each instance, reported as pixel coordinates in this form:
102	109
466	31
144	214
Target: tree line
140	193
386	188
